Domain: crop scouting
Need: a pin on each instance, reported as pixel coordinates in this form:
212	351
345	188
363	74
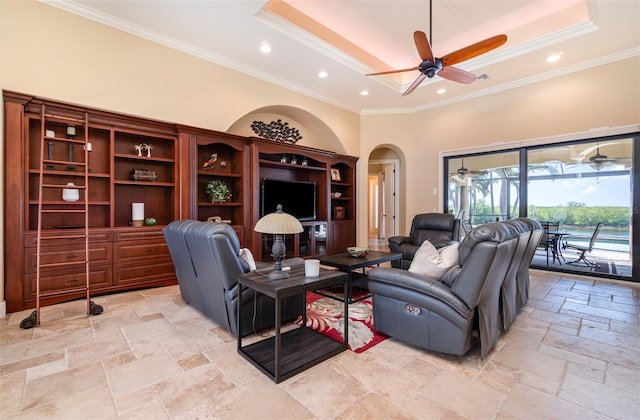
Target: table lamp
278	224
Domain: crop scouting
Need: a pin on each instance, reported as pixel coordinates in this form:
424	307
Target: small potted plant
218	191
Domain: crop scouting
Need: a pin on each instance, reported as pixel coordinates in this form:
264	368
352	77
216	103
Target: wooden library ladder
75	202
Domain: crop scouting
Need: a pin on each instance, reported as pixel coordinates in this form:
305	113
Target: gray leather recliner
440	229
522	278
447	315
509	294
207	262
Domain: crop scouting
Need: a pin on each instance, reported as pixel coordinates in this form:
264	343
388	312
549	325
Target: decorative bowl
358	251
336	194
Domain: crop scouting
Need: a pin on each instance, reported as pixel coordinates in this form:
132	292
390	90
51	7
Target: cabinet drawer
99	277
130	251
31	238
99	253
137	273
133	234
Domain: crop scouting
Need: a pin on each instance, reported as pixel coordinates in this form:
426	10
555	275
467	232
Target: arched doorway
384	194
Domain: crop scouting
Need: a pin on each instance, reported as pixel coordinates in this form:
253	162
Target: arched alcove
315	133
386	192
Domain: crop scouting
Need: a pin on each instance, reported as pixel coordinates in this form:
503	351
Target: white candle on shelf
137	213
88	147
71	130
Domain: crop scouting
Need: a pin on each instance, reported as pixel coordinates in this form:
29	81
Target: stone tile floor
573	352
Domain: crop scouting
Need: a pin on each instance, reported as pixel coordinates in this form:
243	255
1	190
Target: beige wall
607	96
54	54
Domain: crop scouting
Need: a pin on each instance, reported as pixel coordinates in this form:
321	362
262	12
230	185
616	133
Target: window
575	184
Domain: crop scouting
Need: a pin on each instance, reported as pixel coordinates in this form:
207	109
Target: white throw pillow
433	263
245	253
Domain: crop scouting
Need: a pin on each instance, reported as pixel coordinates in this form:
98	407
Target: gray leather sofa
447	315
440	229
509	293
522	277
207	263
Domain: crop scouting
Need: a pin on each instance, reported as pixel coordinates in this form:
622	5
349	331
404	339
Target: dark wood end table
287	354
348	264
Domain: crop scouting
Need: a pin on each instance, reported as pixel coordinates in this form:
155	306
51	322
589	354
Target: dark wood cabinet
342	230
289	162
223	158
135	160
114	154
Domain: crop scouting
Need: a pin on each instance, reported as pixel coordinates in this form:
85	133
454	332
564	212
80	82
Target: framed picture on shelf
335	175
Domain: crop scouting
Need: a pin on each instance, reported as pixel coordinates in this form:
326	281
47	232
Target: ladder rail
39	226
92	309
86	210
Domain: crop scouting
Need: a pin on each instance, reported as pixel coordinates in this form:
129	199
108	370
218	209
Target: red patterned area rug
325	315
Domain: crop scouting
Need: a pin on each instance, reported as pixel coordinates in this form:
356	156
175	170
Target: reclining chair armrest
381	279
442	244
399	240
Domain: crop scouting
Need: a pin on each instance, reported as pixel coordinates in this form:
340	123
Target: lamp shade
278	223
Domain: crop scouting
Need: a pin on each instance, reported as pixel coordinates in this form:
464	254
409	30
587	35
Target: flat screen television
298	198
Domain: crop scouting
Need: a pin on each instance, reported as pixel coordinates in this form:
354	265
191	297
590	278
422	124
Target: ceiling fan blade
457	75
391	71
415	84
423	46
473	50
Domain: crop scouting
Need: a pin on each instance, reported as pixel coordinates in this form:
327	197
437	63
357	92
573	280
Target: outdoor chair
584	249
466	226
547	241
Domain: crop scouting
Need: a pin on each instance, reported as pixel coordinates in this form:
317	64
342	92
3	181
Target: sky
605	191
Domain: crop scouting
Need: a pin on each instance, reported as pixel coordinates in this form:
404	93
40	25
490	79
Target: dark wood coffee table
348	264
289	353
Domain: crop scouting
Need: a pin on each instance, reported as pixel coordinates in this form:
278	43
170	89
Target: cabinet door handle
148	270
72	257
147	250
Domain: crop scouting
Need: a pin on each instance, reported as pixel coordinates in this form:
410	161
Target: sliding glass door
580	187
580	191
484	188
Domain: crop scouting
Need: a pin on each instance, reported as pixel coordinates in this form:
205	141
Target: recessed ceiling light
364	92
323	74
265	48
554	57
441	91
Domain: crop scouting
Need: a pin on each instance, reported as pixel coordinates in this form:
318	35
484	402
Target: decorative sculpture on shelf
277	131
138	148
50	154
143	147
209	164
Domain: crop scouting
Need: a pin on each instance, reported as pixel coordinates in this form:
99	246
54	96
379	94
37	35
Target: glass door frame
523	191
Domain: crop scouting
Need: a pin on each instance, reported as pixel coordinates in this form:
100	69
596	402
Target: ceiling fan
462	171
443	67
600	161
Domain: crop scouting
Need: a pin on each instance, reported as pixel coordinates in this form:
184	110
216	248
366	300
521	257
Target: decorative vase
70	194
